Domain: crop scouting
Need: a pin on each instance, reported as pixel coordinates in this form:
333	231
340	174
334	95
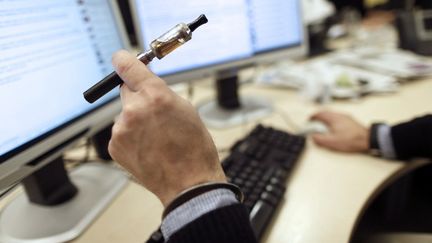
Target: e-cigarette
159	48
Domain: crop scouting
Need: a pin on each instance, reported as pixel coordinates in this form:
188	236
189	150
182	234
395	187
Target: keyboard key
238	181
243	175
253	198
254	164
276	191
249	184
281	174
276	181
261	185
254	178
260	216
268	174
265	196
230	173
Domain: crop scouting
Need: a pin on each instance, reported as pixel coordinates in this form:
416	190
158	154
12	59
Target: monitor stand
56	208
100	142
230	109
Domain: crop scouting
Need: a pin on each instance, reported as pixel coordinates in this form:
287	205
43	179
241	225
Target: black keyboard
260	165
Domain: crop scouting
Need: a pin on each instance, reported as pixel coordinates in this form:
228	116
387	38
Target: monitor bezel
295	51
16	162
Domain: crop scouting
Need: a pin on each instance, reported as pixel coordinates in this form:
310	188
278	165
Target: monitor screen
51	52
237	29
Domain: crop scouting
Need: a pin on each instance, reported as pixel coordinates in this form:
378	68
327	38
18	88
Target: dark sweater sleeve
228	225
413	139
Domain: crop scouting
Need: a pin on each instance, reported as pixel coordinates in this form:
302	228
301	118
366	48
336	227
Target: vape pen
159	48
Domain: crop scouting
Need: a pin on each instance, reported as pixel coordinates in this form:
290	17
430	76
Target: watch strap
374	146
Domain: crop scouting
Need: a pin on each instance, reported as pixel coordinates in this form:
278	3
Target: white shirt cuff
385	142
195	208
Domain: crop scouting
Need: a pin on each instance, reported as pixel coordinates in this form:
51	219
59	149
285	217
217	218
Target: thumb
131	70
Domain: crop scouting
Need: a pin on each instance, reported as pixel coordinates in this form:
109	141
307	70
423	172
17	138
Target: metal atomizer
159	48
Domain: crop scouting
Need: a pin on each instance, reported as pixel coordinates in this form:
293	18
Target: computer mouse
313	127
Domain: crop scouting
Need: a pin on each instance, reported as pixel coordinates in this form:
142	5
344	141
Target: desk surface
327	191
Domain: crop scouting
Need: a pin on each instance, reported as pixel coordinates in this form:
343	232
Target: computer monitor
52	51
358	5
240	33
406	4
128	21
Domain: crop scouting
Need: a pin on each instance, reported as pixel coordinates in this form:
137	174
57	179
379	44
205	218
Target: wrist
166	196
365	146
198	190
194	208
360	142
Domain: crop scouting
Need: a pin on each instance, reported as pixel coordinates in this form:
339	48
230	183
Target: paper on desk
321	80
317	10
284	74
393	62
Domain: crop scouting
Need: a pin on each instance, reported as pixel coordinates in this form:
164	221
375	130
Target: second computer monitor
239	32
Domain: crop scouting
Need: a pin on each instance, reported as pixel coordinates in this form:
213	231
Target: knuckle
161	100
130	115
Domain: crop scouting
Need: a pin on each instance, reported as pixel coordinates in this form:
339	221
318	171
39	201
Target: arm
195	220
217	208
228	225
162	142
413	139
404	141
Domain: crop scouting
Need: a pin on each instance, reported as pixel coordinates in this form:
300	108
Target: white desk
327	191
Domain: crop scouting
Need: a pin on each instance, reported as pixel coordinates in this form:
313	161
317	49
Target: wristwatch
374	147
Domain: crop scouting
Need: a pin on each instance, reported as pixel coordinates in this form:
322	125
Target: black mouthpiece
202	19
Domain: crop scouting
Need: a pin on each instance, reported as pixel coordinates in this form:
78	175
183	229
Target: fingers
325	116
325	140
125	93
132	71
